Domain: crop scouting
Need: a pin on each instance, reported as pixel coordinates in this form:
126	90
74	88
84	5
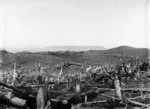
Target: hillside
129	51
7	58
90	57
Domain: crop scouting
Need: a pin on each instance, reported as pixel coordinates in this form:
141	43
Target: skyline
108	23
66	48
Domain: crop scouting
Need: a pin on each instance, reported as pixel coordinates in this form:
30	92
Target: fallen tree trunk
19	92
14	102
23	94
137	103
10	87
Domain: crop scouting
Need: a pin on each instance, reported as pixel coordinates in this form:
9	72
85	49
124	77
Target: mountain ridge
51	58
71	48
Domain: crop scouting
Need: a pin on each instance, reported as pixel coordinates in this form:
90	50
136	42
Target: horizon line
42	49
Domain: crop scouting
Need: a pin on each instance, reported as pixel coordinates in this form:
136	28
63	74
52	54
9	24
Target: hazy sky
42	23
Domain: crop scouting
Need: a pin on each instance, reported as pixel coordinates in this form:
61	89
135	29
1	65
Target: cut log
12	102
18	102
23	94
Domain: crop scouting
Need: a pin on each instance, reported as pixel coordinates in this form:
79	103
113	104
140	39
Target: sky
43	23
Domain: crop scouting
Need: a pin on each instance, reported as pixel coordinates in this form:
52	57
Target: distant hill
52	58
122	48
57	48
113	55
129	51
